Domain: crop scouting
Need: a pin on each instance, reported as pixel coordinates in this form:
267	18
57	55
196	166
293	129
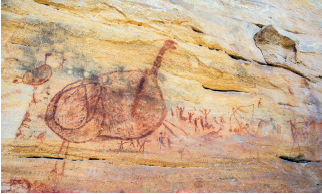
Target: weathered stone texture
242	89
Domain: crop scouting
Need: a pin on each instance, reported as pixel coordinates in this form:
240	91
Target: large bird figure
122	105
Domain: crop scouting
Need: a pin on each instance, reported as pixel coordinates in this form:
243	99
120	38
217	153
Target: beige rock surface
242	89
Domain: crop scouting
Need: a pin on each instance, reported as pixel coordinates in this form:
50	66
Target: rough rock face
276	48
236	106
279	50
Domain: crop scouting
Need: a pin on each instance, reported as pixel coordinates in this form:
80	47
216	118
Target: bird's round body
128	105
37	76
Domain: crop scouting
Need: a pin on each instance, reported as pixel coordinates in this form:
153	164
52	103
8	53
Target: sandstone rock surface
242	91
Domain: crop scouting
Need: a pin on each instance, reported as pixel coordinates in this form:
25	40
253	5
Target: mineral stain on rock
278	50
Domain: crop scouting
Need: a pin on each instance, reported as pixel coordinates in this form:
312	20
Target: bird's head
169	44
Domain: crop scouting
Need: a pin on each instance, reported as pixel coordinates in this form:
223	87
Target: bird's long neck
157	62
145	80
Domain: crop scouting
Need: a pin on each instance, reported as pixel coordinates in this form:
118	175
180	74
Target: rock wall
242	86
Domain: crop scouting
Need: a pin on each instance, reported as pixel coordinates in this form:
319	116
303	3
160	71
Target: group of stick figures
163	141
139	144
203	120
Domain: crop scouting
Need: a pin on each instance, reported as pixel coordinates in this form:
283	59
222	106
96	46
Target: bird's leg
61	147
62	64
55	169
34	95
65	159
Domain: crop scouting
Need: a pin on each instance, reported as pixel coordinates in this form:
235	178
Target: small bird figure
38	76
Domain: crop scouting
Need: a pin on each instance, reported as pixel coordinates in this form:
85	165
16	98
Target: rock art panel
168	96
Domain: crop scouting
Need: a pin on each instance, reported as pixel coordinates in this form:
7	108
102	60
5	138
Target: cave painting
123	105
128	106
